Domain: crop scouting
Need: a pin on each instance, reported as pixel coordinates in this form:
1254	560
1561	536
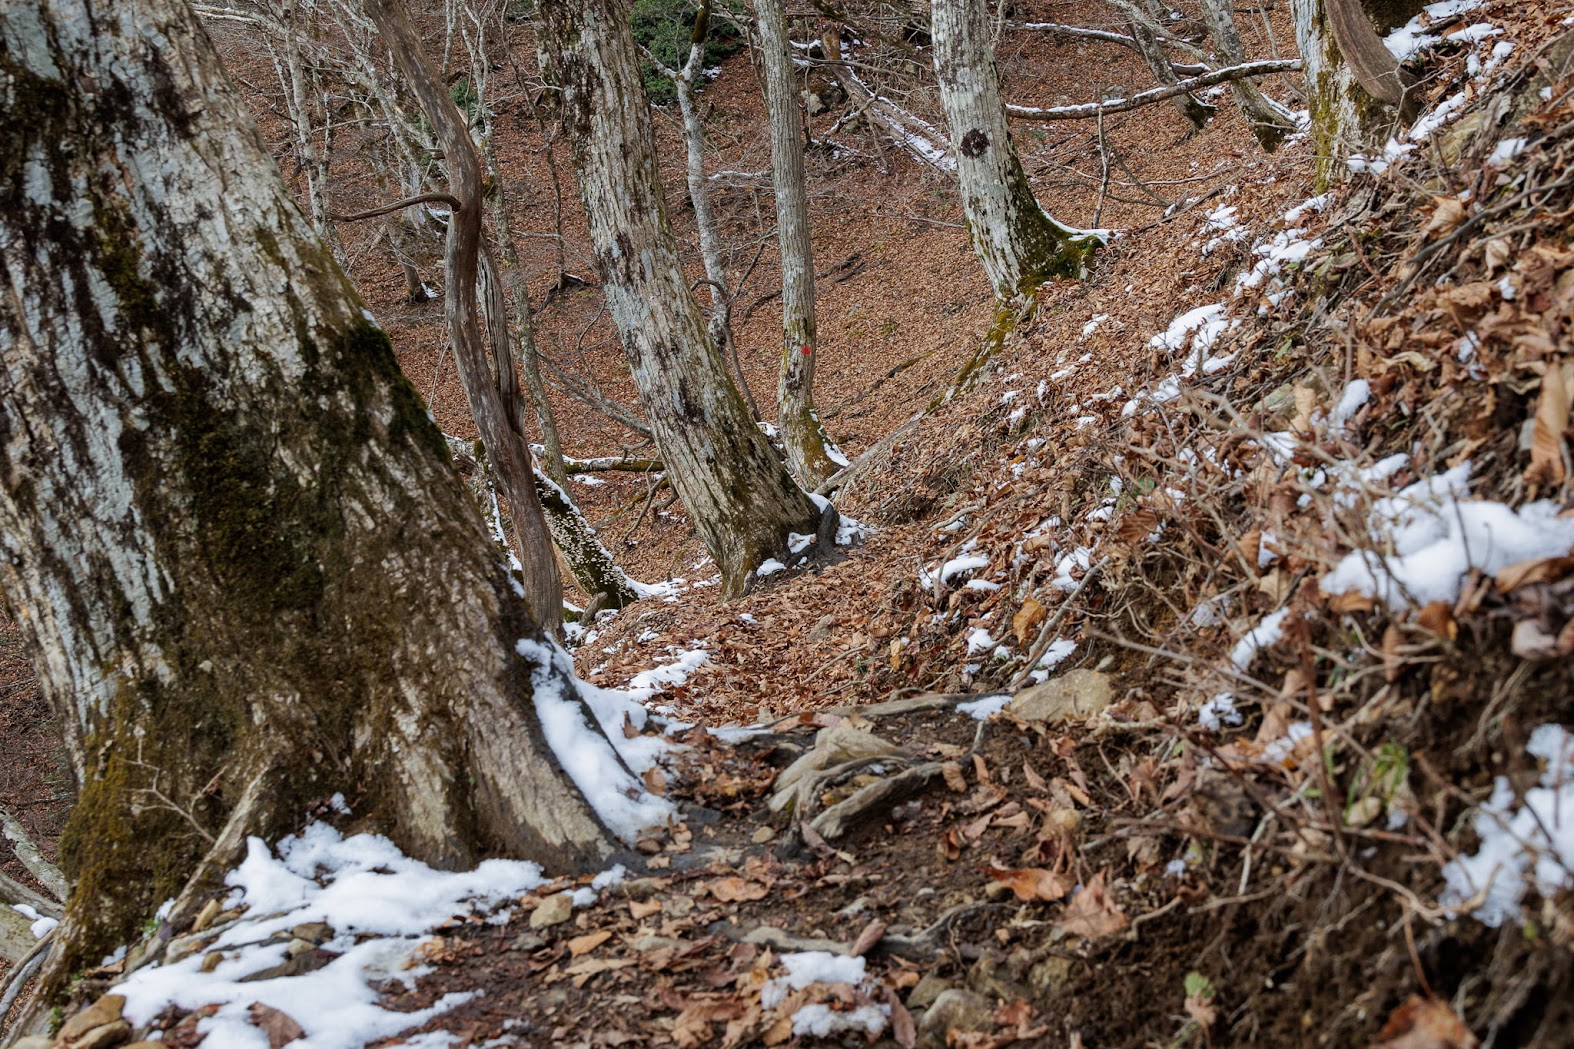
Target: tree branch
28	854
453	202
1088	110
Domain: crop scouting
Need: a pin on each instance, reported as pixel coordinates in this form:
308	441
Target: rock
762	835
955	1010
1047	976
528	941
298	946
104	1036
182	947
652	942
825	626
316	932
554	910
104	1011
679	906
1076	695
992	977
299	965
925	991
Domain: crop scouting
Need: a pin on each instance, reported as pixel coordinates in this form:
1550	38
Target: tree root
840	818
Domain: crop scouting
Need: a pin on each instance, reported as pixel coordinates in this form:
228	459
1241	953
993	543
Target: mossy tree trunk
1020	246
1355	89
737	492
228	526
810	452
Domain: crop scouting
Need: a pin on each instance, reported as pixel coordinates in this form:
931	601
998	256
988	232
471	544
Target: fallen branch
28	854
26	969
14	892
1103	36
1088	110
452	201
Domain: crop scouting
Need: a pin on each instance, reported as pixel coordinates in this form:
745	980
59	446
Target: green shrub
665	27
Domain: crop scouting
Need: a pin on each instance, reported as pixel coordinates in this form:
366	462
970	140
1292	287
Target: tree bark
739	496
811	454
1269	121
228	525
1347	116
1152	52
1020	246
492	391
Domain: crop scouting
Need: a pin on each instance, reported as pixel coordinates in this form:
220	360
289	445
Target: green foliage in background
664	27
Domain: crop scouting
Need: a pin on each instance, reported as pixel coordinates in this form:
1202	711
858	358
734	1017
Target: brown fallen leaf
1027	619
585	944
953	777
1091	914
1450	212
1438	617
1527	573
655	782
1032	883
280	1028
735	890
641	909
1552	419
903	1029
1424	1023
871	935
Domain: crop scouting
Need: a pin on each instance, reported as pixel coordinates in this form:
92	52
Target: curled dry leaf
1091	914
1449	213
655	782
1424	1023
1438	617
1027	619
1032	883
1552	419
954	777
1527	573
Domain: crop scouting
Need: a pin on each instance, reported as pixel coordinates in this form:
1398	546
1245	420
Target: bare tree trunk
737	492
1020	246
1152	52
494	399
1269	121
1353	106
811	455
228	526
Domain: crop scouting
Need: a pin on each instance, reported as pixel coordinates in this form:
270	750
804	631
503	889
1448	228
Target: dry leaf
584	944
280	1028
1525	573
1027	619
1032	883
655	782
1438	617
871	935
902	1027
1533	641
1250	545
953	777
1391	643
1034	780
1424	1023
1449	213
1200	1007
642	909
734	890
981	771
1091	914
1546	435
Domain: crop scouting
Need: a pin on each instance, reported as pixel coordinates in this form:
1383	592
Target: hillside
1199	674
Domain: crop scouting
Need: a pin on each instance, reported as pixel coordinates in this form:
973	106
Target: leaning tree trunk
1021	247
1198	113
228	525
1355	89
1269	121
810	453
737	492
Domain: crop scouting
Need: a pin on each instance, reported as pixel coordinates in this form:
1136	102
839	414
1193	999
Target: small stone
317	933
104	1036
679	906
992	977
651	942
925	991
298	946
106	1010
763	835
554	910
955	1010
1047	976
824	627
211	960
528	941
1076	695
210	910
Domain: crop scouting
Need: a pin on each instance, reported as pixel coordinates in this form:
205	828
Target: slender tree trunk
1152	52
228	526
1269	121
1020	246
811	455
1355	104
493	391
738	494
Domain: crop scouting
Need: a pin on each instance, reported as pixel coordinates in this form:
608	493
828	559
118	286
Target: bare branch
29	856
453	202
1088	110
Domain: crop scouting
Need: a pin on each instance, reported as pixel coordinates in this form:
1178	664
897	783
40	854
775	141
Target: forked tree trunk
492	390
1355	89
738	494
1269	121
1020	246
810	453
228	526
1152	51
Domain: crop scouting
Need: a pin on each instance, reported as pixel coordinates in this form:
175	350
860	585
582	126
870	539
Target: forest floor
1197	679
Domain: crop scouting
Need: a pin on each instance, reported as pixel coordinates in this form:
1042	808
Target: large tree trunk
1141	23
493	391
228	525
809	451
1355	89
1021	247
737	492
